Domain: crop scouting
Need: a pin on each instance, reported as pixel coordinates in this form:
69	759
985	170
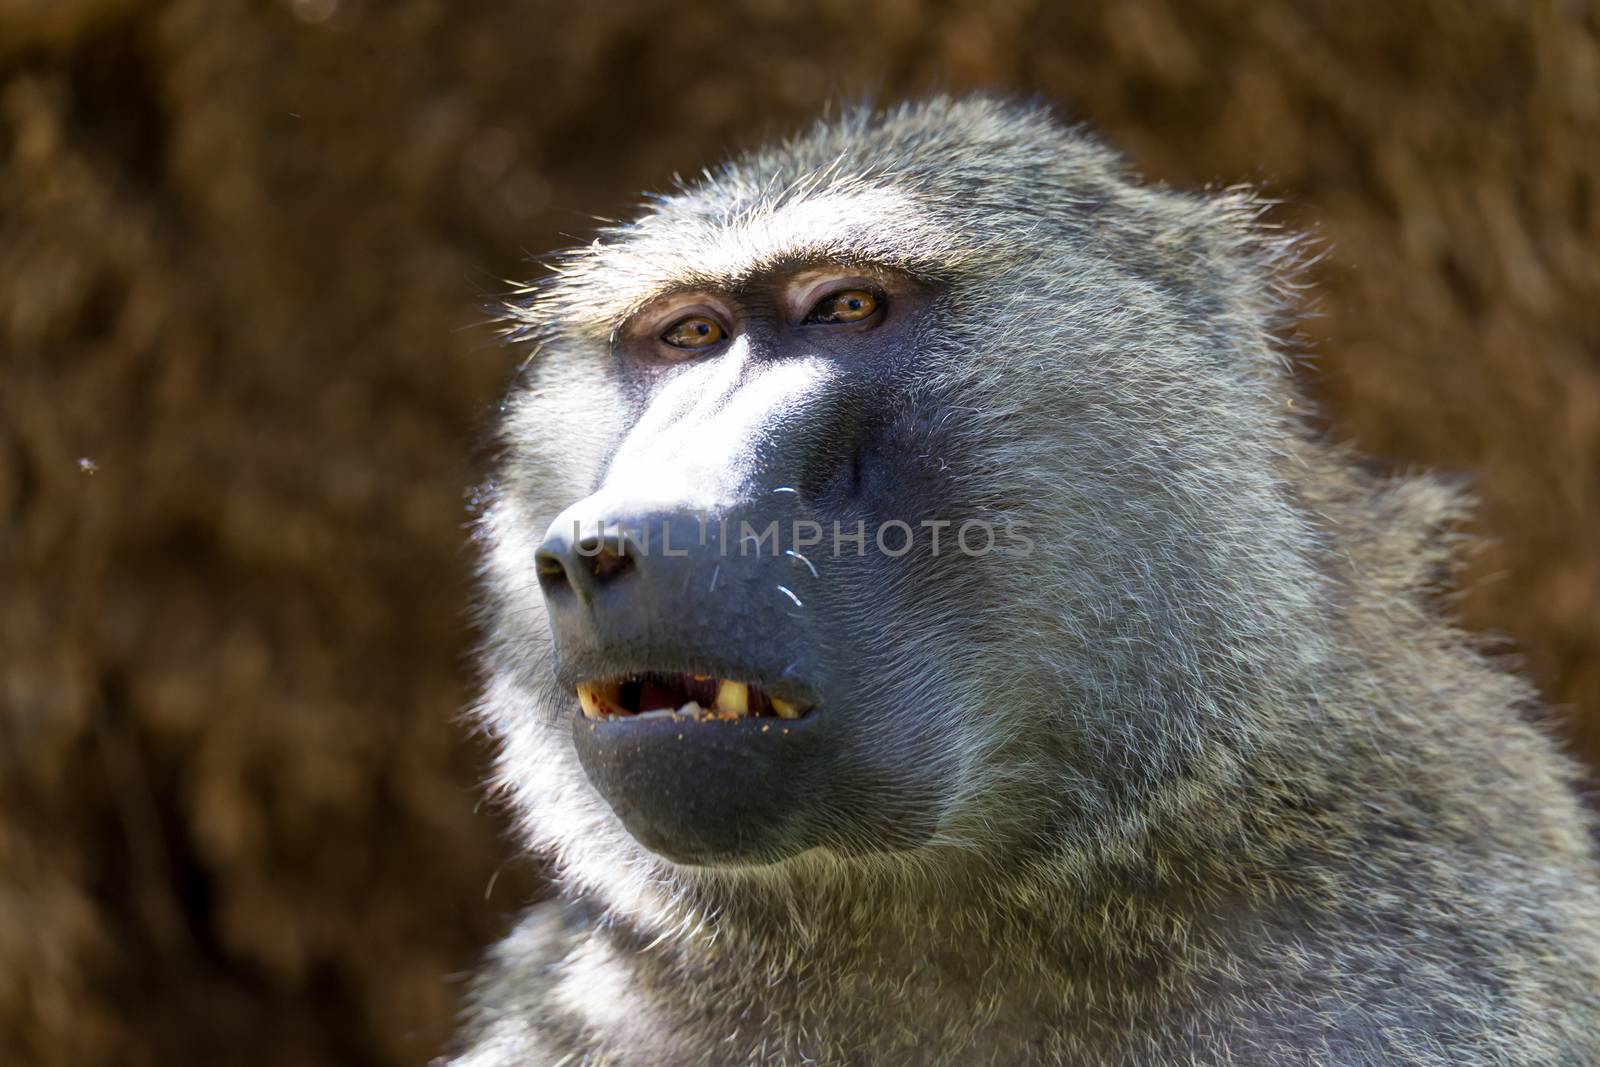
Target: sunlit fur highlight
1248	798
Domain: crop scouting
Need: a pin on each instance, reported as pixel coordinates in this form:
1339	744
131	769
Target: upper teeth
732	700
593	701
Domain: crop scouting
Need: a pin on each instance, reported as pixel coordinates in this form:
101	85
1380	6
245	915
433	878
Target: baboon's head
908	489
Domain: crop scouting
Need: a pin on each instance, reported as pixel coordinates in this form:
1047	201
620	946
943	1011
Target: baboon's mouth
697	697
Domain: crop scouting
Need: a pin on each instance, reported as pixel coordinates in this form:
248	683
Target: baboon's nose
583	562
629	586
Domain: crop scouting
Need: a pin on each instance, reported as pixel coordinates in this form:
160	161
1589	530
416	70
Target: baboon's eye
847	305
696	331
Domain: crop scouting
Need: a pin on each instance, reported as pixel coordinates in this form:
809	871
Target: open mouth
697	697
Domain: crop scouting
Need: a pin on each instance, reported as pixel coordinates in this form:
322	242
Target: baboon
1169	760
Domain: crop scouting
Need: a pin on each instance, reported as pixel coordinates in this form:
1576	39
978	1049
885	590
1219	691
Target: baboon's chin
709	791
747	777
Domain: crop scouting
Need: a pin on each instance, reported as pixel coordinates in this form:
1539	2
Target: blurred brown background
244	248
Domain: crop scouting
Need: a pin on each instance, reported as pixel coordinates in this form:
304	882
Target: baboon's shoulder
515	1017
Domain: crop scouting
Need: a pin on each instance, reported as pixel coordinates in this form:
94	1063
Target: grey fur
1247	798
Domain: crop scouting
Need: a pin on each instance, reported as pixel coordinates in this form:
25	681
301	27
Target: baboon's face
722	620
826	519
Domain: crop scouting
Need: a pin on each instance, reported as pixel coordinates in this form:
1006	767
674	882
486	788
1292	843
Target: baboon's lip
683	697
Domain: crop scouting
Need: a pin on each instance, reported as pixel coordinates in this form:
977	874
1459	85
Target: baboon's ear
1225	264
1417	537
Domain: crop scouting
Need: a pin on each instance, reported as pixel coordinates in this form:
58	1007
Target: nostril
605	559
552	572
